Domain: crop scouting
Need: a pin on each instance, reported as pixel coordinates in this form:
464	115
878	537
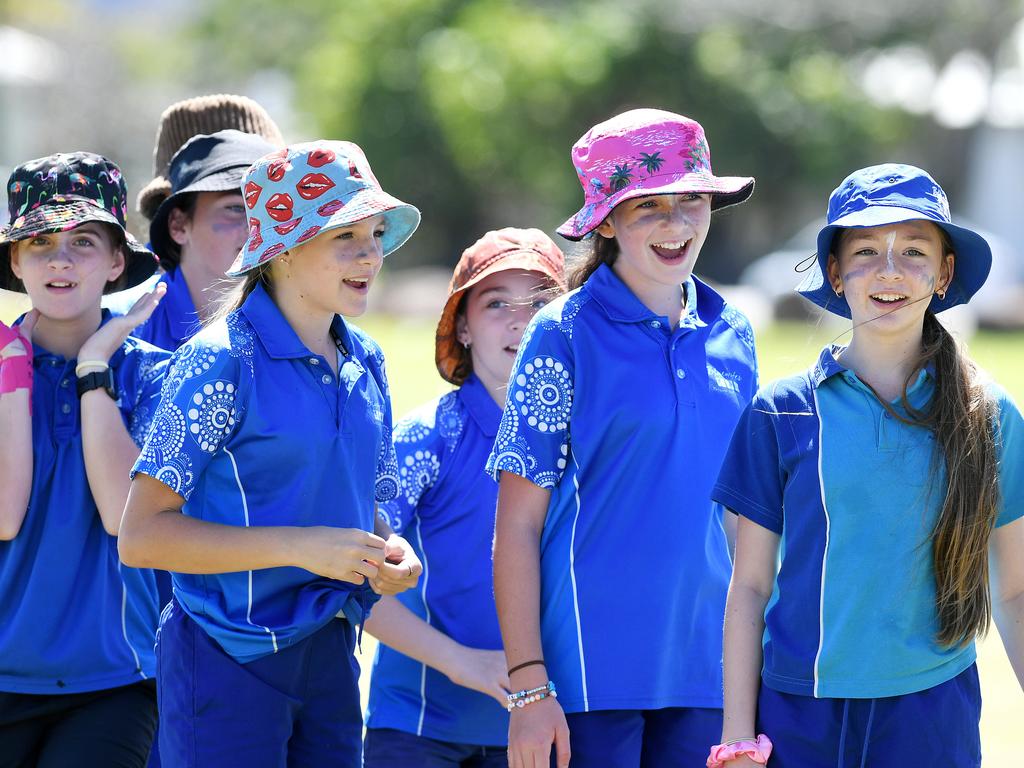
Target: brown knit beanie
201	114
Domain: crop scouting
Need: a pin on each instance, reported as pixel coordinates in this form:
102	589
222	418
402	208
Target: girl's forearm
742	657
1009	617
15	460
520	518
109	453
399	628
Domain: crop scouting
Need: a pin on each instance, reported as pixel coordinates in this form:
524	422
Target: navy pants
390	748
295	708
111	728
674	737
935	727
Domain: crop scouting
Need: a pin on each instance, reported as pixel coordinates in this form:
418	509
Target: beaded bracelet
521	698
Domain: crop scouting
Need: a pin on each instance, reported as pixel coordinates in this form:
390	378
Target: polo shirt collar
178	306
621	305
481	406
828	365
276	334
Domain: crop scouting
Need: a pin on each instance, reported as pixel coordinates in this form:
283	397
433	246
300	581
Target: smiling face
332	272
65	273
659	238
495	313
889	274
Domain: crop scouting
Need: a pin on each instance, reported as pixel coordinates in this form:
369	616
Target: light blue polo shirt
817	459
173	322
255	430
72	618
446	511
626	422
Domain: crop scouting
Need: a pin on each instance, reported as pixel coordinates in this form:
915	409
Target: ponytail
238	291
963	417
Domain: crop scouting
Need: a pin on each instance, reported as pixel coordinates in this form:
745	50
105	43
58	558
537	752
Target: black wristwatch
98	380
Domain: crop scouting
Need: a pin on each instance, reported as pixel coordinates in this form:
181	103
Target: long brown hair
603	250
963	417
236	293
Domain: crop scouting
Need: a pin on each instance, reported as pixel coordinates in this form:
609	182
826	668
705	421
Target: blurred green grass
783	348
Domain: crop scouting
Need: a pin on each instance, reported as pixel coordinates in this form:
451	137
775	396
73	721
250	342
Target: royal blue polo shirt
173	322
817	459
255	430
446	511
72	618
626	422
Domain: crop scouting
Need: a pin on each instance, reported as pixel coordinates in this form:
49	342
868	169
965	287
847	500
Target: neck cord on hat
339	344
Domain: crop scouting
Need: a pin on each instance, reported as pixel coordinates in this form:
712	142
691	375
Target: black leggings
100	728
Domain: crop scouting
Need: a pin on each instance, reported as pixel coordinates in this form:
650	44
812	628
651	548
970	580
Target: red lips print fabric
255	238
288	226
280	206
332	207
320	157
311	232
252	194
312	185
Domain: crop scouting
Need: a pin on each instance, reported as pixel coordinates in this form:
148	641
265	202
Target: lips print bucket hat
497	251
296	193
63	191
645	152
890	194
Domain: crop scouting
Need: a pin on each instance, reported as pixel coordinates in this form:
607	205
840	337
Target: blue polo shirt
173	322
817	459
446	511
626	422
254	429
72	618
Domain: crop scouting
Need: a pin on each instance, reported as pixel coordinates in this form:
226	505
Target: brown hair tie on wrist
525	664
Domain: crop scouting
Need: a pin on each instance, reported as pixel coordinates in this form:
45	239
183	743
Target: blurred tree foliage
468	108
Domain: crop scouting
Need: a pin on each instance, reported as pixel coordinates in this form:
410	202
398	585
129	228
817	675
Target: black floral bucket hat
63	191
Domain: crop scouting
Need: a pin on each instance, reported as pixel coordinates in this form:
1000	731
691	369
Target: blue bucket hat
890	194
294	194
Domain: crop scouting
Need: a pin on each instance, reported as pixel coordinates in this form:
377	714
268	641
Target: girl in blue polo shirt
257	483
441	668
76	397
610	561
885	478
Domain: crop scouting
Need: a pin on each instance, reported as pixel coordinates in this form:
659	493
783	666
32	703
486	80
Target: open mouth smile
889	300
61	286
671	250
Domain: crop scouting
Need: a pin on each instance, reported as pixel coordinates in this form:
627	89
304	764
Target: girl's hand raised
345	554
101	346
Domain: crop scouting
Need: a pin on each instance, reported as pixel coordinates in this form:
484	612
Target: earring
465	345
941	294
839	291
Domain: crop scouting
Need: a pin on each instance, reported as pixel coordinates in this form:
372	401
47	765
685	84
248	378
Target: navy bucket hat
890	194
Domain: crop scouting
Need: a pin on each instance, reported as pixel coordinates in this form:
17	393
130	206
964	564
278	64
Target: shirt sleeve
147	369
1010	455
750	482
533	438
418	449
199	409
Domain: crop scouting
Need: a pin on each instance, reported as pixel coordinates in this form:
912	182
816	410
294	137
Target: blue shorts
390	748
937	726
298	707
674	737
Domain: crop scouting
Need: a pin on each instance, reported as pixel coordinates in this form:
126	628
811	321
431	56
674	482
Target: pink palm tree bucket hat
645	152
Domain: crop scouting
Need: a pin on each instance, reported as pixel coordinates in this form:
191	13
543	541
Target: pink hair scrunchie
759	751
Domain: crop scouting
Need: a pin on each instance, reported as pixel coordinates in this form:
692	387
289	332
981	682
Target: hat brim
149	198
225	180
448	353
724	191
401	221
140	262
972	264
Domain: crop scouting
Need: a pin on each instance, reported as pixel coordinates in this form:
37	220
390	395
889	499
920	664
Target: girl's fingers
28	325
